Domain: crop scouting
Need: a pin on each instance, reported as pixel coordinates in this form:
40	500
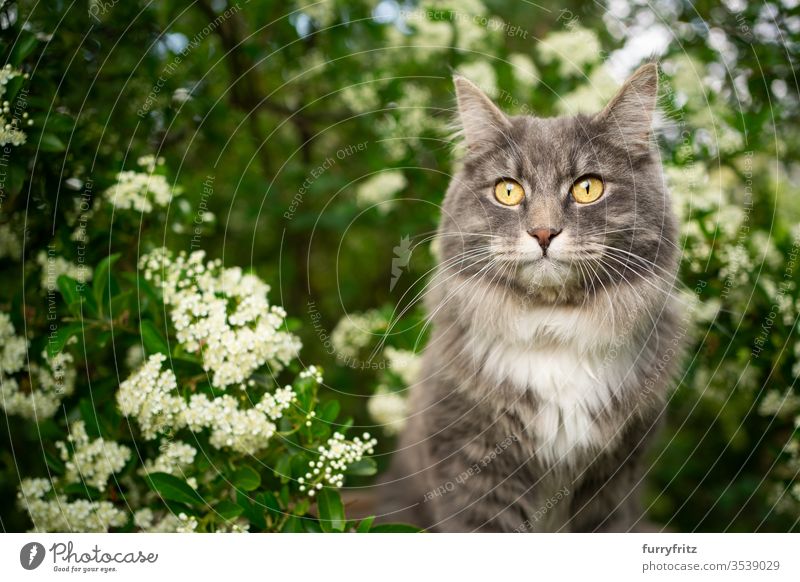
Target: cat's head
560	207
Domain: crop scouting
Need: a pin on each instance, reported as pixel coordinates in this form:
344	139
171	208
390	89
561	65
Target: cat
556	325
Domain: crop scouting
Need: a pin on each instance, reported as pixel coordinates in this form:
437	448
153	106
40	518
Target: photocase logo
402	256
31	555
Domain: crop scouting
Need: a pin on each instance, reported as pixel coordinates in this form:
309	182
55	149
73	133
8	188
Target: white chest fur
573	364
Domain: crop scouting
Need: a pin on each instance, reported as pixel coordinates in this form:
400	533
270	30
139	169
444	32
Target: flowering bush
149	379
205	367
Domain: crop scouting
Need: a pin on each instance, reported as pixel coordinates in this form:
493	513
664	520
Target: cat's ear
480	118
632	109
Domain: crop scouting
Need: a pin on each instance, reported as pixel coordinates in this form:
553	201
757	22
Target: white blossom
47	382
53	266
591	96
361	96
482	74
140	191
164	522
10	133
333	461
221	314
134	356
380	189
150	396
525	71
10	243
404	363
324	13
355	331
91	461
388	409
781	404
175	456
56	514
573	49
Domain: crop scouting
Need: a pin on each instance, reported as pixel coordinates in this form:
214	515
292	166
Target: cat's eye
509	192
587	189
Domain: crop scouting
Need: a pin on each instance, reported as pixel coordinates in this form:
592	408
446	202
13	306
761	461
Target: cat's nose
544	235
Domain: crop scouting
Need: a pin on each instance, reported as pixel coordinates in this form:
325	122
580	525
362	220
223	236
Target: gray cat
556	332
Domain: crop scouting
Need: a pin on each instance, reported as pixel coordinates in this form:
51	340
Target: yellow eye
587	189
509	192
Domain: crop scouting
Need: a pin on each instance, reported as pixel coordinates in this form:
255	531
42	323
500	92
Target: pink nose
544	236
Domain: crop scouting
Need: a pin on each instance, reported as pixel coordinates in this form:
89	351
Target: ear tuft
632	109
480	118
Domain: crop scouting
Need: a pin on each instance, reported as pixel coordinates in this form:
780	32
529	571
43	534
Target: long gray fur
545	378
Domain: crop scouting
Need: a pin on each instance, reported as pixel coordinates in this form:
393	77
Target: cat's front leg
608	500
468	500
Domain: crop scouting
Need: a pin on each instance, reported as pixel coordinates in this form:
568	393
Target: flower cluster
573	49
242	430
32	390
13	348
223	314
53	513
405	363
781	404
591	96
412	121
141	190
91	461
146	520
150	395
333	460
388	406
355	331
174	458
9	129
380	189
54	266
10	243
525	72
389	409
482	74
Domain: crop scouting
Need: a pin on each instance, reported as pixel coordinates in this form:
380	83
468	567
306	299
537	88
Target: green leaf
119	304
293	525
51	143
331	510
82	490
154	342
227	509
247	478
365	467
173	488
365	524
57	341
54	462
100	280
328	411
395	528
24	46
69	290
149	298
272	505
90	419
283	468
16	179
75	297
251	511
